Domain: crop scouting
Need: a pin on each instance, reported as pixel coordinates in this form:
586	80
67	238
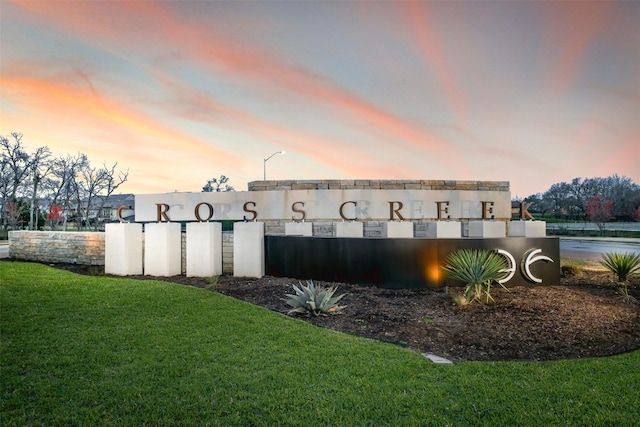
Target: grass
79	350
583	264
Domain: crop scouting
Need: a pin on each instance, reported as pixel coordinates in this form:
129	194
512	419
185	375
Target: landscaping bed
583	316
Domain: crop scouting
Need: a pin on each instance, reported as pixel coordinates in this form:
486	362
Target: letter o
197	212
342	207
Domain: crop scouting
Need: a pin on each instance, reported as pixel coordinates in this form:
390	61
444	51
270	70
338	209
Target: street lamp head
264	164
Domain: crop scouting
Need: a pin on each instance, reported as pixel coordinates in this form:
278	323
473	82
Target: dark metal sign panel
405	263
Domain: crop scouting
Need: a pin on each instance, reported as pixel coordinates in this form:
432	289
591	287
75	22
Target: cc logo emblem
525	265
510	270
529	259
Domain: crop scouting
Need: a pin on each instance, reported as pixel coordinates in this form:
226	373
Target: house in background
102	209
105	208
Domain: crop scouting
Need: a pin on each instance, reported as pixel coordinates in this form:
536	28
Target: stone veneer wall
371	228
85	248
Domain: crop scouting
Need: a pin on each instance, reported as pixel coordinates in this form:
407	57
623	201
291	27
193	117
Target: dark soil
583	316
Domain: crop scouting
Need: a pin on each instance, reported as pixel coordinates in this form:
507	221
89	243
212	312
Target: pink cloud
151	22
197	105
63	99
427	40
572	27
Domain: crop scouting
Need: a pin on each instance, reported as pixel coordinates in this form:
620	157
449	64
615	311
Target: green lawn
87	351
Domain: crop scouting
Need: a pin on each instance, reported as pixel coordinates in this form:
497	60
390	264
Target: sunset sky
179	92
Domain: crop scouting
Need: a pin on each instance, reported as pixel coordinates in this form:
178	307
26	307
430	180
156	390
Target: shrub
570	269
622	265
213	282
478	269
459	299
314	300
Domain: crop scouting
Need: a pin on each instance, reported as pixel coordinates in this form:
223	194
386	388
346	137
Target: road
593	249
4	251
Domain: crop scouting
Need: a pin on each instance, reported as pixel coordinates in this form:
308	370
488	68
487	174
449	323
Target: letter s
300	211
246	209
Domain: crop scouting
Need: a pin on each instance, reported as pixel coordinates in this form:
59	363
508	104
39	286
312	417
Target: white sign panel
324	205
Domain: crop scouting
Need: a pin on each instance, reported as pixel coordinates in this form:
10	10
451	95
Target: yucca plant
622	265
478	269
314	300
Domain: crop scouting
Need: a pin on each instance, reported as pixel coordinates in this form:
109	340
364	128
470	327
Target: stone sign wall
325	202
373	228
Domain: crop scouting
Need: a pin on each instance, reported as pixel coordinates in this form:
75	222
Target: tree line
37	187
614	198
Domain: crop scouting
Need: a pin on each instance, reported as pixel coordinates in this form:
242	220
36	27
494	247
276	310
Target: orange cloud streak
83	105
202	108
579	23
427	40
237	60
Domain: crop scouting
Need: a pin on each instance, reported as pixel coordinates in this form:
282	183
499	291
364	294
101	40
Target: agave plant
314	300
478	269
622	265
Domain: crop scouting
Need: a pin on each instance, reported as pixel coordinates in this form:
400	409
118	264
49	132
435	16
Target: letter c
342	213
119	214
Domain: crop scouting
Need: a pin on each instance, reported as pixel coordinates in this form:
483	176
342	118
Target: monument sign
356	231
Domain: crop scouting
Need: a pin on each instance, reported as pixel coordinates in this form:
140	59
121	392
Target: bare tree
571	199
70	184
624	193
15	213
600	211
17	166
40	166
61	186
90	185
110	181
557	198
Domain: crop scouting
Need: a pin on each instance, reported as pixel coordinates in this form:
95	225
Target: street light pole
264	164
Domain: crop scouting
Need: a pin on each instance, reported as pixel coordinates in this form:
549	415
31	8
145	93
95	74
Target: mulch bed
583	316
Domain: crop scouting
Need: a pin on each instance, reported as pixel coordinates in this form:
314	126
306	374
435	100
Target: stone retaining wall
85	248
